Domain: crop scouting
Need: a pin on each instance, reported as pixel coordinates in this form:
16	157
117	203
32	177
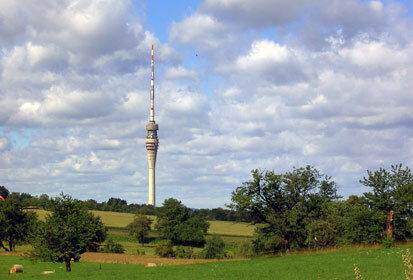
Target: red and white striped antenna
152	89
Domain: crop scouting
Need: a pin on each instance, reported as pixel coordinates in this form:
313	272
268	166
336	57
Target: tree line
114	204
301	209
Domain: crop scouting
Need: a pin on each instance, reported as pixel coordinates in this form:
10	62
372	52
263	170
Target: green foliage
287	203
388	243
67	232
410	225
268	242
140	228
145	209
321	233
178	224
214	248
113	247
183	252
392	190
245	250
220	214
119	205
165	249
15	224
361	224
4	192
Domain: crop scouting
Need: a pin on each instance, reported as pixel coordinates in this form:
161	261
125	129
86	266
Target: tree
43	200
286	203
361	223
391	191
67	232
15	224
178	224
140	228
214	248
4	192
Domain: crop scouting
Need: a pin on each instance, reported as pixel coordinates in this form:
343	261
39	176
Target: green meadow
373	264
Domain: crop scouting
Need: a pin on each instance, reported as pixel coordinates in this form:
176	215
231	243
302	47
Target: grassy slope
373	264
231	232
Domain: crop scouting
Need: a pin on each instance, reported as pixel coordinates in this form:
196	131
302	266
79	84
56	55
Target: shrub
214	248
245	250
266	242
388	243
165	249
113	247
184	252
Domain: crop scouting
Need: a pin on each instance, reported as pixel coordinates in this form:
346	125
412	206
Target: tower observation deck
152	141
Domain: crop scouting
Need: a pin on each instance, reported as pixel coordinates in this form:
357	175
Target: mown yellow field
231	228
115	219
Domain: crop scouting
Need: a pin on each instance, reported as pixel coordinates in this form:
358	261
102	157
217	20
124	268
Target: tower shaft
152	116
152	141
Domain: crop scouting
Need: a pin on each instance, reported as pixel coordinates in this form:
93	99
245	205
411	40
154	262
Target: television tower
152	141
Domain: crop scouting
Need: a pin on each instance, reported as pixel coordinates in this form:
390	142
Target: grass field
373	264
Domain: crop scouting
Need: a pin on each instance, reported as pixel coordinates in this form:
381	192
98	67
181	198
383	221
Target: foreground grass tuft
357	272
407	261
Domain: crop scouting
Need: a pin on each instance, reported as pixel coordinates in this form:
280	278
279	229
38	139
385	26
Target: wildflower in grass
357	272
407	260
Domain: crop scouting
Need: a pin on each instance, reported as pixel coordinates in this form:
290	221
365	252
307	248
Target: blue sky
239	85
159	15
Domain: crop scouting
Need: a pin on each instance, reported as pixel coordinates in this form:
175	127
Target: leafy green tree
286	203
178	224
4	192
391	191
361	223
69	231
43	200
15	224
214	248
140	228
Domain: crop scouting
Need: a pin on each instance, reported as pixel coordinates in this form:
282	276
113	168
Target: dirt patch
131	259
12	253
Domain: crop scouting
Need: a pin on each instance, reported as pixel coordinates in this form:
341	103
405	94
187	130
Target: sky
239	85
